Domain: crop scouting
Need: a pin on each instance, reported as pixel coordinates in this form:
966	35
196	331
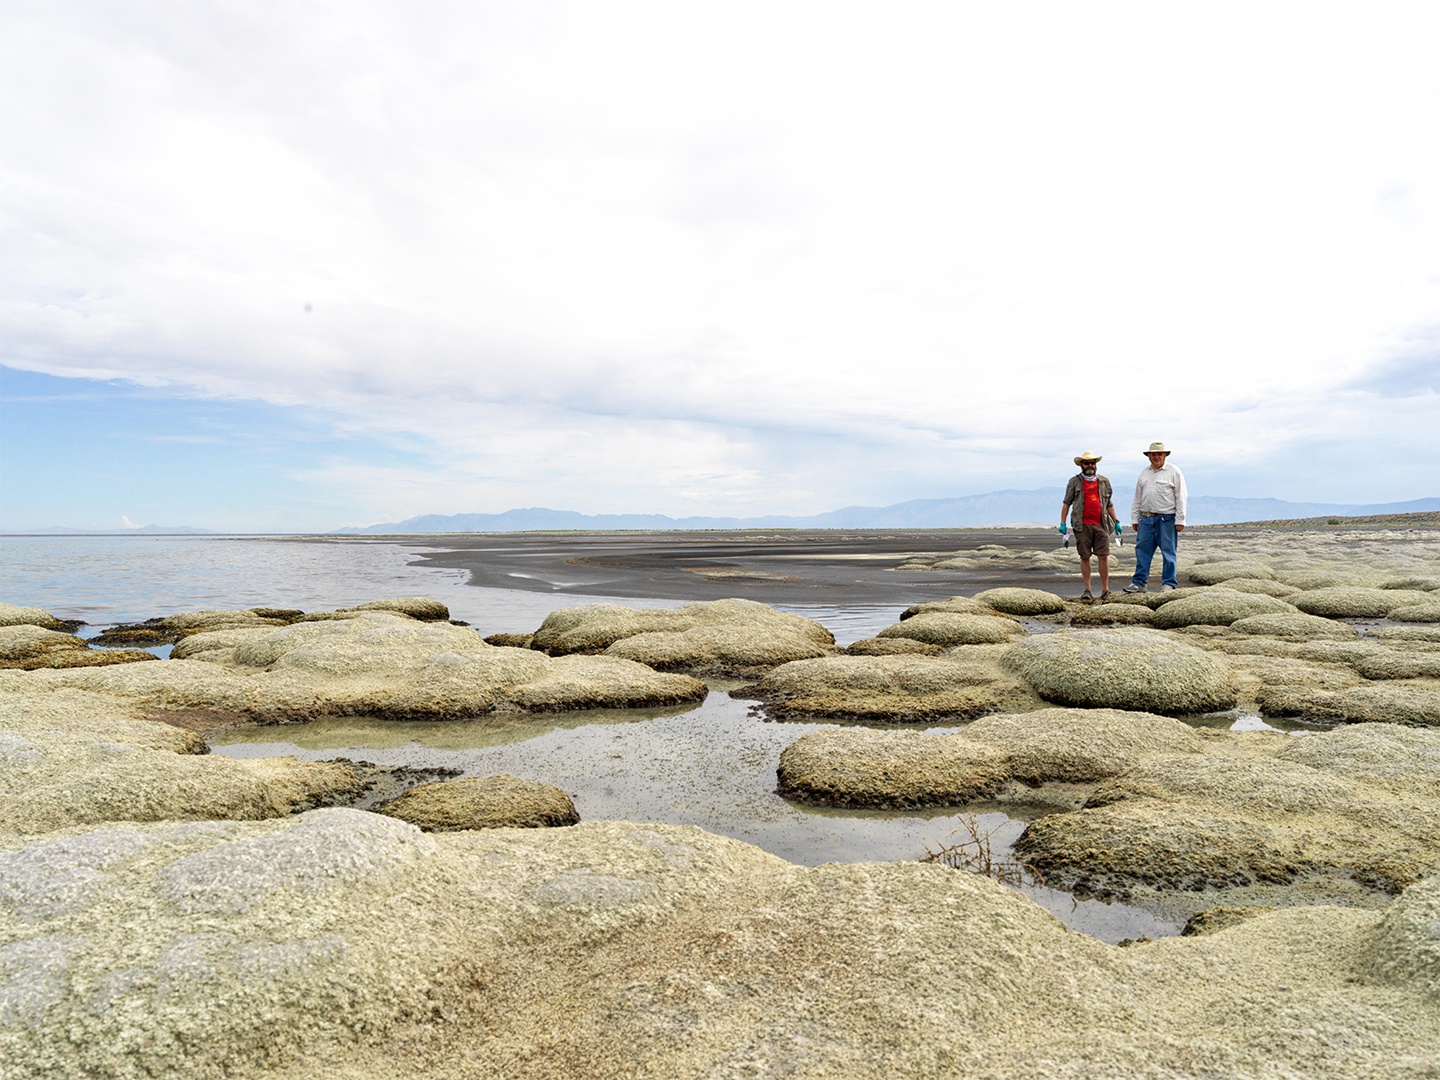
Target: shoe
1132	587
1105	596
1167	588
1085	596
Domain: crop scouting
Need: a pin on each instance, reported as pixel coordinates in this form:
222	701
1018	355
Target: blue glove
1062	530
1117	528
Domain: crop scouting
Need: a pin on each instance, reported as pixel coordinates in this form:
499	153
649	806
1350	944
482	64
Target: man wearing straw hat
1158	517
1091	516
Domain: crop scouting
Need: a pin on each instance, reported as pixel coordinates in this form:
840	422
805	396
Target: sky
303	265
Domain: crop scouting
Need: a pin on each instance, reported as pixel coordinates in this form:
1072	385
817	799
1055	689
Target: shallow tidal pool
711	765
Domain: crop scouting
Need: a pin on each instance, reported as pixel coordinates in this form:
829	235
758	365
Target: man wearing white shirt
1157	515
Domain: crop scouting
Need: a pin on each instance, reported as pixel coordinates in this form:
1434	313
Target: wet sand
809	567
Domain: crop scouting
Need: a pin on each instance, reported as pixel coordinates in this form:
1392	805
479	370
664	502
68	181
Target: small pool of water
712	766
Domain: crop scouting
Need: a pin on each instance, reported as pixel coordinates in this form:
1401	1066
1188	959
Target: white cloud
728	258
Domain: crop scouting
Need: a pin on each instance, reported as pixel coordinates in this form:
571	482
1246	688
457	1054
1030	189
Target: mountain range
1038	506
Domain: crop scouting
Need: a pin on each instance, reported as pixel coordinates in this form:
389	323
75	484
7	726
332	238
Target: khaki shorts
1092	539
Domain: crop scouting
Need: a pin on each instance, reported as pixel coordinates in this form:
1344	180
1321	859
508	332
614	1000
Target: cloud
739	259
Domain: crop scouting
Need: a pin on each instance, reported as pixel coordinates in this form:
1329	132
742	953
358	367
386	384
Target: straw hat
1156	448
1088	455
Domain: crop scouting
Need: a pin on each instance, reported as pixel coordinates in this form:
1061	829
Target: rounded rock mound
1350	602
1108	614
716	637
1217	608
1013	601
1295	626
946	629
16	615
1214	573
490	802
1127	668
1417	613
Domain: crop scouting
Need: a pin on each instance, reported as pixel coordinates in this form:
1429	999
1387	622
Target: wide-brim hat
1088	455
1156	448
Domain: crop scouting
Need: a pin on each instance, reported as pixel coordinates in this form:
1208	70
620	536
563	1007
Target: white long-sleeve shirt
1159	491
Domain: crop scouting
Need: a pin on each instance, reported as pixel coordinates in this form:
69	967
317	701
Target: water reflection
711	765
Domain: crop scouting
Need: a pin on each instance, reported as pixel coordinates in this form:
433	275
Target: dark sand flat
821	566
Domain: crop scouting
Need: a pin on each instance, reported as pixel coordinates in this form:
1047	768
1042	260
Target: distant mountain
1040	506
144	530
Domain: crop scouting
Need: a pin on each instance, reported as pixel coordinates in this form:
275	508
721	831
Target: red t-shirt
1093	514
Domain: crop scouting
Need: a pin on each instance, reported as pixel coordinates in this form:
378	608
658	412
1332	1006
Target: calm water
712	765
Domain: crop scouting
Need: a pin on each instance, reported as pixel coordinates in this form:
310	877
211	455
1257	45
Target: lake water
712	765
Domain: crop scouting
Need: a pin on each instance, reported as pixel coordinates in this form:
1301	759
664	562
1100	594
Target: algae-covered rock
897	769
955	605
1117	614
1295	626
1263	586
1406	948
1218	608
17	615
346	944
1213	573
958	685
891	646
25	647
715	637
1014	601
852	767
73	758
1349	602
945	628
1222	820
1417	613
416	607
380	664
1383	703
490	802
1128	668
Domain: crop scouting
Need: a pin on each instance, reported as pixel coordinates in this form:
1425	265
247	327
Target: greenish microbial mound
72	757
957	605
1126	668
1379	703
374	663
1295	626
946	628
25	646
891	646
1215	572
961	684
865	768
1013	601
1118	614
1417	613
1217	609
345	944
1349	602
1224	820
15	615
1263	586
489	802
718	637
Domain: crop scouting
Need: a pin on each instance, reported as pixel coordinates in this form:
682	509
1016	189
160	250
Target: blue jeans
1157	530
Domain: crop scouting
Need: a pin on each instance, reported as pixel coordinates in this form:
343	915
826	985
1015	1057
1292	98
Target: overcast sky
304	265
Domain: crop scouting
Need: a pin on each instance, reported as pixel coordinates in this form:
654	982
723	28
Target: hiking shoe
1132	587
1167	588
1085	596
1105	596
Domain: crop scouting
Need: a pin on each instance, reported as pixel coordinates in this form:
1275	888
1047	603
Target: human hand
1117	528
1179	528
1062	529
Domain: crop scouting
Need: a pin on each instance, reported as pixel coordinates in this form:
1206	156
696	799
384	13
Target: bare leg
1085	571
1104	573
